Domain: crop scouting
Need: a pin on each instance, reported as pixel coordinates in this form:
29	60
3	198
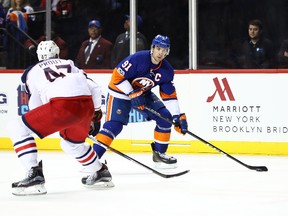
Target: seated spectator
121	47
256	52
94	53
64	50
283	55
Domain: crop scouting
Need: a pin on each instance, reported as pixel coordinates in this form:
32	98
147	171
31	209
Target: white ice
216	185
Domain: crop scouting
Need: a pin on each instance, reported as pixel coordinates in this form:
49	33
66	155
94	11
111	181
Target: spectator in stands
60	8
283	55
6	4
257	52
17	18
94	53
64	50
18	15
2	16
20	6
2	36
121	47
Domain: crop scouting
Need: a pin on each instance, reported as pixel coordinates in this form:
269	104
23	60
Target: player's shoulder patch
120	71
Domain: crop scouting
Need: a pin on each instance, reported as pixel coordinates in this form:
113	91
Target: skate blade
101	185
28	191
161	165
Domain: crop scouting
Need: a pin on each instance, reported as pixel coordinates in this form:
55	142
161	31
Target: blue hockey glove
137	99
181	125
95	123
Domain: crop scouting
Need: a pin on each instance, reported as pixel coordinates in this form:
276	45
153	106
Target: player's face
158	54
253	31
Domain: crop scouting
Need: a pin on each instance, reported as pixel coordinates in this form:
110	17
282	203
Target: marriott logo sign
225	92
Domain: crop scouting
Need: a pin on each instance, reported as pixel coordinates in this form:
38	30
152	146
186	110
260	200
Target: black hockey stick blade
257	168
139	163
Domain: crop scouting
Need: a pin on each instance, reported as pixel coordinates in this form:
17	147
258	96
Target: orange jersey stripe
171	96
162	137
104	139
109	108
116	79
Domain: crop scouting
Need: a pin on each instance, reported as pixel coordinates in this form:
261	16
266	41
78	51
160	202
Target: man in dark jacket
121	47
257	52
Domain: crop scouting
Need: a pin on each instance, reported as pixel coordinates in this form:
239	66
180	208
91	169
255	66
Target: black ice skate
100	179
162	160
32	185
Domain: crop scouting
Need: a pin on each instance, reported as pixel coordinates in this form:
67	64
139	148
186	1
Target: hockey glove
137	99
95	123
181	125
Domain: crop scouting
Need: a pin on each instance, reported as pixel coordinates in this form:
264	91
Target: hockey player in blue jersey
130	87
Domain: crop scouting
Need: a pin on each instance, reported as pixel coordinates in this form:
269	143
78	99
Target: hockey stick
257	168
139	163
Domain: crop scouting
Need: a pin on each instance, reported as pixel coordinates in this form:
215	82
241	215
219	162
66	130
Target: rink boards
239	111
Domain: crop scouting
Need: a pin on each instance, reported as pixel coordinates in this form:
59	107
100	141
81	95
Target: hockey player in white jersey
61	99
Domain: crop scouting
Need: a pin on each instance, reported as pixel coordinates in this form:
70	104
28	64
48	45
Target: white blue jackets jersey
45	80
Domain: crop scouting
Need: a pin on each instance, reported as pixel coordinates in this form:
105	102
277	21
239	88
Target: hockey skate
163	161
32	185
100	179
87	171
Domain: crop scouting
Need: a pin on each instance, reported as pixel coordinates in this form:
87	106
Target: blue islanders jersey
138	71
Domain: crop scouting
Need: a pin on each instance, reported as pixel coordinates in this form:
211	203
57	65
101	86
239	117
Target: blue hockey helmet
162	41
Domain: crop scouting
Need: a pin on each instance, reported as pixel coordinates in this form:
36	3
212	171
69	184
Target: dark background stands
283	55
221	23
63	46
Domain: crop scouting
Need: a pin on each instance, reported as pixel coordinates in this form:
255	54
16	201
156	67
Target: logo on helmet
162	41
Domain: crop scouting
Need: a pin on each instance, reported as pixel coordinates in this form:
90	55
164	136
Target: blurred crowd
231	34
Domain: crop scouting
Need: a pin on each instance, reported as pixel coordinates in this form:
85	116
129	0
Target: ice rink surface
216	185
